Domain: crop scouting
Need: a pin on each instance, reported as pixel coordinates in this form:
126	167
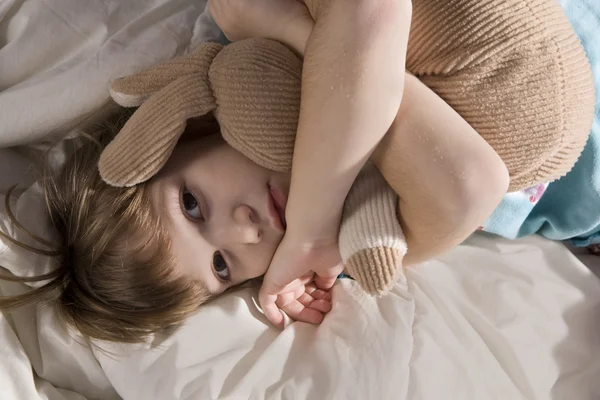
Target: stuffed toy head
252	88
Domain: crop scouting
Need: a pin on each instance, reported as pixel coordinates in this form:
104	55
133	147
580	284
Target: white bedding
494	319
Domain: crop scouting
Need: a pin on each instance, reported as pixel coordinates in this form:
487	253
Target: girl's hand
295	259
244	19
306	302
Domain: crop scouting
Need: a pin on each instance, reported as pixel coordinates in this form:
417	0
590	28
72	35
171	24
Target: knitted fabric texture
253	88
257	84
372	244
148	138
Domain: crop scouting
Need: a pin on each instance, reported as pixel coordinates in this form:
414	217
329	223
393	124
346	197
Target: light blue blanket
570	207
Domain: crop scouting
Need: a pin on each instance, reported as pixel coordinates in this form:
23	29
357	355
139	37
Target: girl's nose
246	227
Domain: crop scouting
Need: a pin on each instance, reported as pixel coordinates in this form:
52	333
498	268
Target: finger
290	287
299	312
299	291
325	282
320	305
270	309
318	294
274	315
284	299
313	290
307	278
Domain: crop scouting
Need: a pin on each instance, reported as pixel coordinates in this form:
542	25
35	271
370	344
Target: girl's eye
220	267
190	205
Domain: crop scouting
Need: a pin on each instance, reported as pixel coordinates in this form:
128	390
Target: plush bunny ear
148	138
132	91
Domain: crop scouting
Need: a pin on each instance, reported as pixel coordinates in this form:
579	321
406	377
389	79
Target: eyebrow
165	208
160	198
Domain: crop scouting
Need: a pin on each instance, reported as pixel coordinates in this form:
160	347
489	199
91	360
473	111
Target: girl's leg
448	178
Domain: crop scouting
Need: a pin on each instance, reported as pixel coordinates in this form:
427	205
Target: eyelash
184	190
222	279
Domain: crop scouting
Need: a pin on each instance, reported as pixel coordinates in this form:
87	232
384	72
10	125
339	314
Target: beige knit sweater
514	69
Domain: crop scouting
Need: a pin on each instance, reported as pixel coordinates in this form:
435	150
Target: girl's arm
448	178
352	87
352	84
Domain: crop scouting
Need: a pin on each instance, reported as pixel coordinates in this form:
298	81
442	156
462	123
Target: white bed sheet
58	57
494	319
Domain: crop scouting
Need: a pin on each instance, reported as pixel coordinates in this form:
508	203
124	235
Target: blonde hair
106	283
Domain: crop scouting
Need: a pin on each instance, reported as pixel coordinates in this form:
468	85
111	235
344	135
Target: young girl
139	260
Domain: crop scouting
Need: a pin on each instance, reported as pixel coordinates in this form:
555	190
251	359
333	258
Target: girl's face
224	214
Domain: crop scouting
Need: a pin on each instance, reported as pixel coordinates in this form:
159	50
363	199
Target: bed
494	319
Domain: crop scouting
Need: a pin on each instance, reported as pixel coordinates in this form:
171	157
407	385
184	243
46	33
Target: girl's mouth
279	202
